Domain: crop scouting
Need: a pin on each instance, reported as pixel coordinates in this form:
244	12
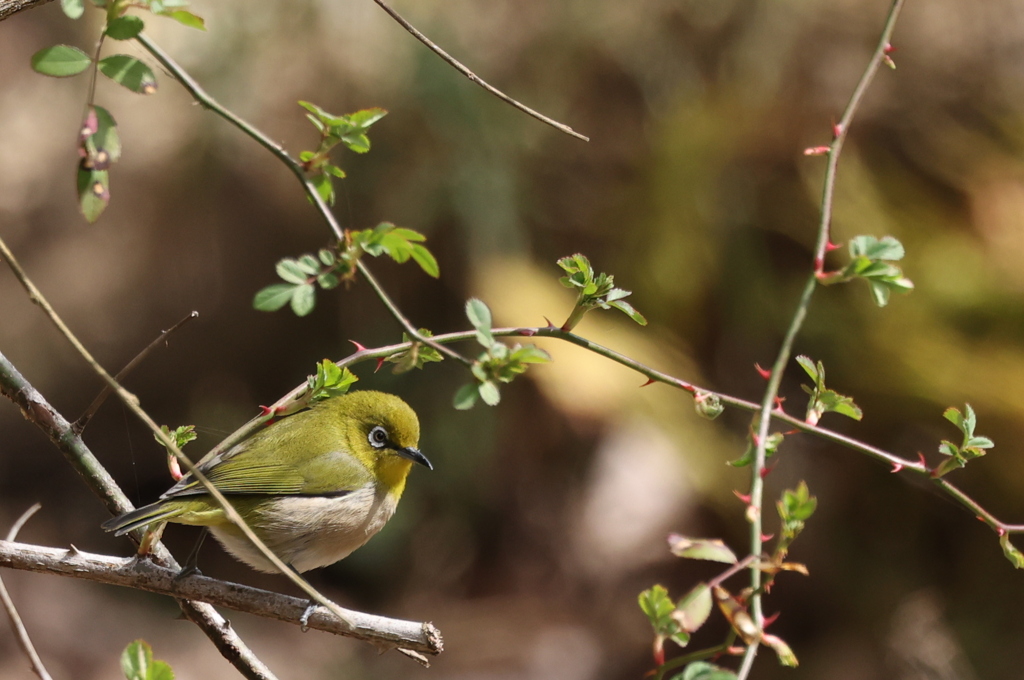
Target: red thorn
743	497
650	381
266	410
550	325
817	150
380	362
769	620
767	537
789	432
736	650
889	49
778	402
920	458
359	346
766	470
829	247
896	467
528	332
763	372
837	129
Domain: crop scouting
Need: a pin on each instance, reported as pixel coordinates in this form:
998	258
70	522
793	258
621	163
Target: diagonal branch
9	8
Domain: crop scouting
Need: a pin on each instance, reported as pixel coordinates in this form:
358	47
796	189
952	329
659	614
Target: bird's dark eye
378	437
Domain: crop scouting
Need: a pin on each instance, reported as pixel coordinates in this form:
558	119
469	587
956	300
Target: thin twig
458	66
83	420
785	350
143	574
201	96
12	612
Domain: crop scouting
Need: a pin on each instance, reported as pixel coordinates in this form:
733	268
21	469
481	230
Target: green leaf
73	9
328	280
290	270
186	18
327	256
466	397
273	297
60	61
93	192
627	308
129	72
701	549
357	142
303	299
425	259
489	393
810	368
333	170
480	316
694	608
655	603
366	117
125	27
137	663
324	187
309	265
886	248
106	138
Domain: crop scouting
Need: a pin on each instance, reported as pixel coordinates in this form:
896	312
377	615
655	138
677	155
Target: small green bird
314	486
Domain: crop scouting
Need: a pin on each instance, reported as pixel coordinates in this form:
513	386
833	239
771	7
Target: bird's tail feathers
140	517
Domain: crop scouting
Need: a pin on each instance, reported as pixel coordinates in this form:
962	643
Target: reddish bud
837	129
1000	531
174	467
817	150
528	332
763	372
742	496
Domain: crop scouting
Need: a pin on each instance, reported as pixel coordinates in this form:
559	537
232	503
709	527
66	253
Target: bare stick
84	419
458	66
143	574
19	626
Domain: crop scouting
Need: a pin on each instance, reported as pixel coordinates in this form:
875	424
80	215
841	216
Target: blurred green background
547	515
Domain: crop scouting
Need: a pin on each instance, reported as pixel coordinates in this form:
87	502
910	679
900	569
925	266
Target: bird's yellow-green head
381	431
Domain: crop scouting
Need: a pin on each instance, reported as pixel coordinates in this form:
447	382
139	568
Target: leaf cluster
416	356
972	446
349	130
871	259
593	290
329	381
823	399
498	363
99	145
331	266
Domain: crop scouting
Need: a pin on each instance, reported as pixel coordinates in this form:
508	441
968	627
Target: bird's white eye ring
378	437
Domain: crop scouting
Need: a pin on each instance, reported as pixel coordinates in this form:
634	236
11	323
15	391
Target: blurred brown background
547	515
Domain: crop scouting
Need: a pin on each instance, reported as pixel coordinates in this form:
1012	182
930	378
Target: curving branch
12	612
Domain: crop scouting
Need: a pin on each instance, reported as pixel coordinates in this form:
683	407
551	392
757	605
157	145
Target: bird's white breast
311	531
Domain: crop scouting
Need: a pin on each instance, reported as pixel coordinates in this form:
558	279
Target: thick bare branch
9	8
142	574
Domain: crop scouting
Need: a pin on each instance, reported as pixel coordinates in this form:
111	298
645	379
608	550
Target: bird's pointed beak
413	454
